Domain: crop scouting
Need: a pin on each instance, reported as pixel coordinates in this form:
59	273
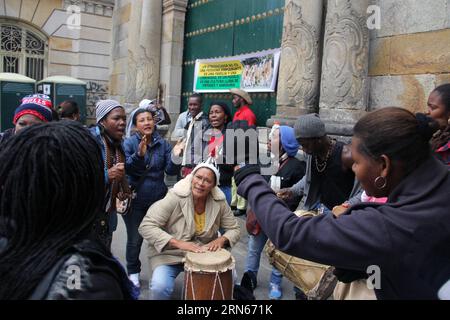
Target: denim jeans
134	240
255	247
163	281
227	191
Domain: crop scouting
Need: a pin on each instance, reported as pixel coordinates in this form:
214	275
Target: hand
142	148
179	147
188	246
285	194
117	172
216	244
339	210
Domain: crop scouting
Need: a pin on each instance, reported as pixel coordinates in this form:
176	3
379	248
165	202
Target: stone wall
147	53
410	53
82	51
398	64
136	51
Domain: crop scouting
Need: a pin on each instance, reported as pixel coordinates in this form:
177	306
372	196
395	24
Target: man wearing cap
241	101
329	180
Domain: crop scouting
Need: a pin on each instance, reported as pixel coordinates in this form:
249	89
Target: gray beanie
309	126
104	107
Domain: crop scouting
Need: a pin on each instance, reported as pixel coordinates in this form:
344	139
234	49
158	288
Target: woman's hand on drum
216	244
186	246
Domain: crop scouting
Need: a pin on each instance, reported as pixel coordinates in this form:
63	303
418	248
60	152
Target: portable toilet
13	87
61	88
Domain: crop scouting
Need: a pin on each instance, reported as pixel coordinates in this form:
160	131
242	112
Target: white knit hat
210	163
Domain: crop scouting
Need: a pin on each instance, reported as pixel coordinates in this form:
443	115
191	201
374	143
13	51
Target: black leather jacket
86	272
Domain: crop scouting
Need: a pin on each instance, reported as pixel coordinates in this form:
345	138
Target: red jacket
245	113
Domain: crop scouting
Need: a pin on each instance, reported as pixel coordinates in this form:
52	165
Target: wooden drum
316	280
208	275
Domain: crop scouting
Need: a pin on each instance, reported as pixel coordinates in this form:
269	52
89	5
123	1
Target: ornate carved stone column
144	48
344	86
298	82
136	43
174	13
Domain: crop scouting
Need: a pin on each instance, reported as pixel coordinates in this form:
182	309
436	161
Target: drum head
220	260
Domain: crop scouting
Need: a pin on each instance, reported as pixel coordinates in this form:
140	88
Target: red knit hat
37	105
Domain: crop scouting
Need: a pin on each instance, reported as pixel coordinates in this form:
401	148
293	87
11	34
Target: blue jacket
158	157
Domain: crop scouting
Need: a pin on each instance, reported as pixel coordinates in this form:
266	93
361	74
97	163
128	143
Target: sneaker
275	292
249	280
134	278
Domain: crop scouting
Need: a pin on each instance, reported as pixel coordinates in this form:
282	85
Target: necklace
323	164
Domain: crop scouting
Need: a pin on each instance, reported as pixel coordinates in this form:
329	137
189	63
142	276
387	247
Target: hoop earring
377	182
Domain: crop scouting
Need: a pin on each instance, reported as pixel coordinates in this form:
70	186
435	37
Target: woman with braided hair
51	187
109	131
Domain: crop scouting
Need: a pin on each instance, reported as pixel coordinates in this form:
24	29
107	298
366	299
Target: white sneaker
134	277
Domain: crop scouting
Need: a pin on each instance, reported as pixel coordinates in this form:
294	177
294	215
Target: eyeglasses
203	180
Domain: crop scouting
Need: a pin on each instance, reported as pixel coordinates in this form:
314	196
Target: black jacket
6	135
407	238
101	276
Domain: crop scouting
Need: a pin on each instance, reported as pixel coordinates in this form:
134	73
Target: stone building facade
74	38
340	58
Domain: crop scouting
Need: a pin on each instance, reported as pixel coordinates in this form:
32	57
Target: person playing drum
403	243
188	219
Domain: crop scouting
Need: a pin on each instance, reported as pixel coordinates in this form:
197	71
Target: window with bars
22	51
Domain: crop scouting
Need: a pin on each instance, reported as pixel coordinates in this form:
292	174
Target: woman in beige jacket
187	219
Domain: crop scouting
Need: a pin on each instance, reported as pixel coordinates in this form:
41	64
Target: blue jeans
134	240
255	247
163	281
227	191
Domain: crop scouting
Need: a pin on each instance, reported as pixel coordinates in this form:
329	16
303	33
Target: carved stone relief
299	68
300	50
145	84
345	59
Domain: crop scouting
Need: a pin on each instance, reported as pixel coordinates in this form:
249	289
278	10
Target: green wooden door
223	28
